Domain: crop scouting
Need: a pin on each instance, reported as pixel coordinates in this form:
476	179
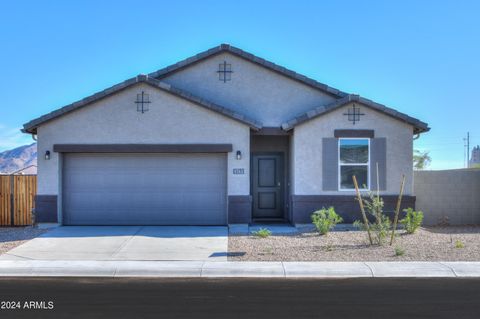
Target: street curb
217	269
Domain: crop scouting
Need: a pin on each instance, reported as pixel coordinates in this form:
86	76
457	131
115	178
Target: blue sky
420	57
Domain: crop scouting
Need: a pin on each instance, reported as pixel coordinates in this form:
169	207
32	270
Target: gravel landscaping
11	237
427	244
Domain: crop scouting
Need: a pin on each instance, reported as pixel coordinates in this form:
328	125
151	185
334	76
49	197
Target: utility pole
464	152
466	155
468	149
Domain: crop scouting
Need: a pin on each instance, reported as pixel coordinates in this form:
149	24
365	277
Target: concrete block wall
452	195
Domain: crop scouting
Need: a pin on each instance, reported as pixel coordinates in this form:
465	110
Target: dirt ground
427	244
11	237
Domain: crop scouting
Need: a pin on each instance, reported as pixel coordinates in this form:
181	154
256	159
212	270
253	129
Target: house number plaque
238	171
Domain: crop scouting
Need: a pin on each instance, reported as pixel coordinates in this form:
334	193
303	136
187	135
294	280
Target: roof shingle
249	57
154	79
419	126
31	126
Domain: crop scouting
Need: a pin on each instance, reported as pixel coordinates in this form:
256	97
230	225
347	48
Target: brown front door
268	185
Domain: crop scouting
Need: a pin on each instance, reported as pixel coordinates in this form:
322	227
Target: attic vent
142	102
224	72
354	114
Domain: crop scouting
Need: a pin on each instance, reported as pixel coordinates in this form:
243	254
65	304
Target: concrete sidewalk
71	268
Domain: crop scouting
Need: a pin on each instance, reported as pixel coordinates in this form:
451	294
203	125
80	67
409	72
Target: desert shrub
380	226
329	247
443	221
262	233
412	220
459	244
399	251
325	219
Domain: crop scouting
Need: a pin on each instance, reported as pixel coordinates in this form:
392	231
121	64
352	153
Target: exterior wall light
47	155
239	155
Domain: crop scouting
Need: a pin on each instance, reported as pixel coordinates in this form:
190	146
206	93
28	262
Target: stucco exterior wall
254	91
115	120
307	149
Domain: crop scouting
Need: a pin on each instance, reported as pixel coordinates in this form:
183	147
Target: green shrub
412	220
267	251
399	251
459	244
380	227
262	233
325	219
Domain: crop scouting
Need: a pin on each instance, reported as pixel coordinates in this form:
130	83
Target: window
353	159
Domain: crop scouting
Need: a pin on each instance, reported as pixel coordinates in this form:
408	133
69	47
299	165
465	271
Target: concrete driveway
126	243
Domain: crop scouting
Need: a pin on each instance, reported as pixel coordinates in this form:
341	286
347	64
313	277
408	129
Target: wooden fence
17	199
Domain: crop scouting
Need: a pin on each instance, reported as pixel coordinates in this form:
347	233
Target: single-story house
222	137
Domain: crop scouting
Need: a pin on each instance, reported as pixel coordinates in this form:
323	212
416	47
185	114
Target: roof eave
418	126
420	130
31	126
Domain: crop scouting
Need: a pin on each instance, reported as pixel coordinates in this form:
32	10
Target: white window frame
367	164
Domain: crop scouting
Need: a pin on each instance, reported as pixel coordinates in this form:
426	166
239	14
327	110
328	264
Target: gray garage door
144	189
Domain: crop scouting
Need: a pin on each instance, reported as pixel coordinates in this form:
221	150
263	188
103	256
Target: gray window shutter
330	164
378	154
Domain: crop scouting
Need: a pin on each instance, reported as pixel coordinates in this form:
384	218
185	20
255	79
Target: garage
144	189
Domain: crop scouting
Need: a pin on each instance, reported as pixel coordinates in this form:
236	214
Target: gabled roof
251	58
418	126
154	79
31	127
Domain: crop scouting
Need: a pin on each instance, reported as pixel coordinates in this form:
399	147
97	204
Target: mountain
18	158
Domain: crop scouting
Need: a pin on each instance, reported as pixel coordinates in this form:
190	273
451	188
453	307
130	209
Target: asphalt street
239	298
